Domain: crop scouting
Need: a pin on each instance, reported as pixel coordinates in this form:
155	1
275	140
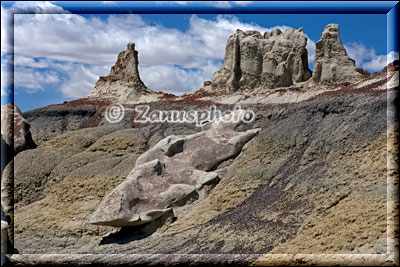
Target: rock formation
332	63
4	241
274	60
170	173
280	59
15	129
123	84
298	187
15	137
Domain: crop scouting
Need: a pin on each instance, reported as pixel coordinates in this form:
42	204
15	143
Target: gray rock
15	129
274	60
332	63
4	241
169	173
123	83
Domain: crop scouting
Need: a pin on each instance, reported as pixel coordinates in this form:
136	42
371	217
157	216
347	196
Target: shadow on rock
133	233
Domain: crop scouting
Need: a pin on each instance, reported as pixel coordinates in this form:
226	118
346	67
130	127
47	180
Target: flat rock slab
170	173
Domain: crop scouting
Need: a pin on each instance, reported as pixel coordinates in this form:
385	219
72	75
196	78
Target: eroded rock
274	60
4	241
123	84
332	63
15	130
170	173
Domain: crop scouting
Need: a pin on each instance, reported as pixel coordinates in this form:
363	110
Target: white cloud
74	80
108	3
81	80
4	78
174	80
7	15
37	7
59	36
217	4
24	61
41	40
212	44
221	4
359	52
182	3
243	3
310	50
32	81
367	58
81	48
5	30
377	63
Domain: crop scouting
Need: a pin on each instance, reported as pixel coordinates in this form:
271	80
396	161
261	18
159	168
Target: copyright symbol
115	113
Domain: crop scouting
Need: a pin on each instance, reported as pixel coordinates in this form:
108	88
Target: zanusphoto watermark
116	112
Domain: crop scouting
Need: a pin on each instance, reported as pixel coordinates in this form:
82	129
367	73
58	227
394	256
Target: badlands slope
313	186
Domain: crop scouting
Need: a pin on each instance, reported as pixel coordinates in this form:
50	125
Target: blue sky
59	56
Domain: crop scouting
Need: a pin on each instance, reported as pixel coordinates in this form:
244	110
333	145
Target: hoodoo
332	63
251	60
278	59
123	84
15	129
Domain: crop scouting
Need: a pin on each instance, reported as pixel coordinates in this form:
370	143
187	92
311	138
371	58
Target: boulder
170	173
15	130
332	63
123	84
272	60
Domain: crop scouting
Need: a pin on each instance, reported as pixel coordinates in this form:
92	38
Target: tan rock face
123	84
15	129
274	60
169	173
332	63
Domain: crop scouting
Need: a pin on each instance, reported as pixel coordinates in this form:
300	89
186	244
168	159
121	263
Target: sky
59	57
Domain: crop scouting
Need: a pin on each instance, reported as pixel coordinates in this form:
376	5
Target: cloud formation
221	4
70	51
217	4
367	58
73	79
59	36
378	62
171	60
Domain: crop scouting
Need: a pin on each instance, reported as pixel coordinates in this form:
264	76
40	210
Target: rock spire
123	84
332	63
